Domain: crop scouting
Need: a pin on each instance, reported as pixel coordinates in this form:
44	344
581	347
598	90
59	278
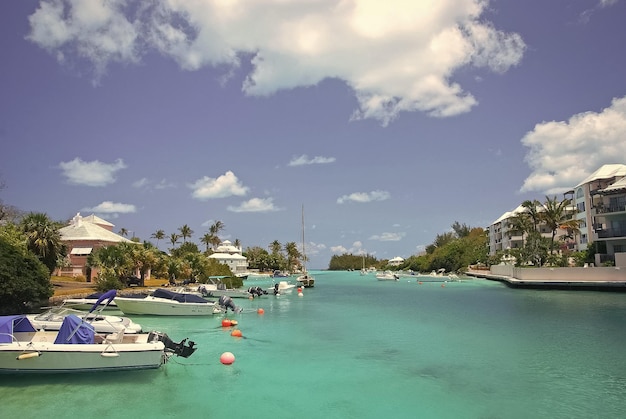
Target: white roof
97	220
227	256
81	251
520	209
620	184
79	229
605	172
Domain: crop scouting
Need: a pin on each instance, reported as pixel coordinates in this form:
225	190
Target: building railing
609	209
611	232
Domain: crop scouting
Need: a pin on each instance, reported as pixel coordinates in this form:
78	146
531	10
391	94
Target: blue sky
388	121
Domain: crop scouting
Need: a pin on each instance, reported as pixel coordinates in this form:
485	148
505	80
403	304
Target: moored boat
76	347
162	302
387	276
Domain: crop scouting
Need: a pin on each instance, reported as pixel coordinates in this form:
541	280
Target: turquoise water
355	347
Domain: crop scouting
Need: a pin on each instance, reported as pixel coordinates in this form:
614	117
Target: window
580	207
579	193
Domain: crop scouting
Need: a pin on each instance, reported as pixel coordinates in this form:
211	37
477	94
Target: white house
232	256
397	261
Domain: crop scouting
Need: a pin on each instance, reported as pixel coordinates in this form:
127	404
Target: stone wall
600	274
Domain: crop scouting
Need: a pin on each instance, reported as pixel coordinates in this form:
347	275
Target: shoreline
613	285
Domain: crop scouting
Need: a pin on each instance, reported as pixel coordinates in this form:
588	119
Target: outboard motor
179	349
256	291
276	292
226	302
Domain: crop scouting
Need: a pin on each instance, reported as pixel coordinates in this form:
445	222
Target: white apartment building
600	202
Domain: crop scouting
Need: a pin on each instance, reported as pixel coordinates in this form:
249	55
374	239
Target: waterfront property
599	205
82	236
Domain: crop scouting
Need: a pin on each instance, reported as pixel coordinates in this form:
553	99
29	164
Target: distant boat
305	279
387	276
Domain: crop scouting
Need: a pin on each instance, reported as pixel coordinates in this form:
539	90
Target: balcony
610	209
611	233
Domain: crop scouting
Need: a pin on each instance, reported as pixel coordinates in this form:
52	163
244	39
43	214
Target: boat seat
40	336
114	337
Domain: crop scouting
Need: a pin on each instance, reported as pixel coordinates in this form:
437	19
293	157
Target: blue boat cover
11	324
181	298
109	295
75	331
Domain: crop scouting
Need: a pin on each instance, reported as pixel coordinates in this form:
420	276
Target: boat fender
28	355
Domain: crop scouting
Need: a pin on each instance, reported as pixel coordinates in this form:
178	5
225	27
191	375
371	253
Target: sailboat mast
303	248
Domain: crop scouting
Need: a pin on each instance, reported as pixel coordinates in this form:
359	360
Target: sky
386	121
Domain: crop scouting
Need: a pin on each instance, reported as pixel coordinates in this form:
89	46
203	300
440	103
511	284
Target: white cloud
108	207
397	56
93	173
338	250
221	187
255	205
141	183
388	237
304	160
362	197
563	153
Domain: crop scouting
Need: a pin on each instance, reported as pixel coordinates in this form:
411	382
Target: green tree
185	232
214	231
174	239
293	255
24	280
207	240
158	235
43	239
532	208
558	214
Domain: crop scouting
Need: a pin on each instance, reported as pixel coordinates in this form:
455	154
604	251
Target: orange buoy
260	311
299	289
443	285
226	323
236	333
420	282
227	358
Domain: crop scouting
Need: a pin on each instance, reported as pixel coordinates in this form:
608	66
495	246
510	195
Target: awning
81	251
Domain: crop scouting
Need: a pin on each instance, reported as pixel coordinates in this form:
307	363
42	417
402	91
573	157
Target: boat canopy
176	296
75	331
11	324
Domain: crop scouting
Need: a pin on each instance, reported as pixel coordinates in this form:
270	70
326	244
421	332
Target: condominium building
600	207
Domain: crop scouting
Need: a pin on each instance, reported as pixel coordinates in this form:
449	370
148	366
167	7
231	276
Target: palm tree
158	235
207	239
185	232
522	223
275	247
214	231
174	239
123	232
557	214
532	207
44	239
293	254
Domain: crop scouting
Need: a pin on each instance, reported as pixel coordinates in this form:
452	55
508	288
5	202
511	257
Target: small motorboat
163	302
76	347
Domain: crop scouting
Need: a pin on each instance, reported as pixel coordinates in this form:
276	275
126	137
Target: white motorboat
52	319
387	276
162	302
77	348
281	287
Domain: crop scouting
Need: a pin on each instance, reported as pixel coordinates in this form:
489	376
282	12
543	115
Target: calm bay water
355	347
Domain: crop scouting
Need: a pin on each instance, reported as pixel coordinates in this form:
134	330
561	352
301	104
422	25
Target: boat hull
47	357
158	307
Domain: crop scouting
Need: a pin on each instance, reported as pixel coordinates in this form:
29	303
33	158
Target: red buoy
226	323
260	311
227	358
